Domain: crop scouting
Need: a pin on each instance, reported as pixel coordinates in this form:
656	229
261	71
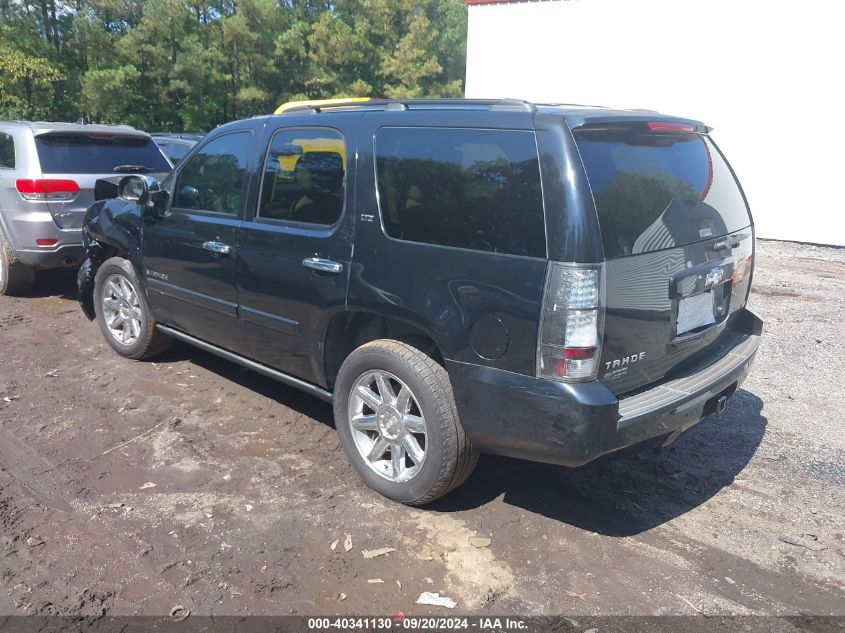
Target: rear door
190	251
678	243
75	160
295	248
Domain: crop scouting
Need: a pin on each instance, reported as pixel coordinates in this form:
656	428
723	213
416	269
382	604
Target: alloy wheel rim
388	426
121	309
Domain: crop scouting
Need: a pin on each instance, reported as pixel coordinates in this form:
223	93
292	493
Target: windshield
656	190
96	154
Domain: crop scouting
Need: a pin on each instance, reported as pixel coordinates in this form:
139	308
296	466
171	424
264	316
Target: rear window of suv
658	190
467	188
96	153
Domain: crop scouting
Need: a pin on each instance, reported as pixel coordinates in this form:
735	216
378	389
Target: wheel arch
348	330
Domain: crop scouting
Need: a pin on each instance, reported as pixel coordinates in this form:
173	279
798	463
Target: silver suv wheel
387	425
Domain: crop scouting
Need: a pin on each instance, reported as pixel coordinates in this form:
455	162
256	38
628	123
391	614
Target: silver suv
47	176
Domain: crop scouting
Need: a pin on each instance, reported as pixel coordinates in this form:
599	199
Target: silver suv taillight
571	323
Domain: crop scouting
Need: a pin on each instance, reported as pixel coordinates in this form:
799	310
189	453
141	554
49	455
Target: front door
190	251
295	248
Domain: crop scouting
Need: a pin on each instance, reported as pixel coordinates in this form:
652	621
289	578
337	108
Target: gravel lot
744	514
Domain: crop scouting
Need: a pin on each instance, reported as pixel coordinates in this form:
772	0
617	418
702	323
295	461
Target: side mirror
145	191
134	189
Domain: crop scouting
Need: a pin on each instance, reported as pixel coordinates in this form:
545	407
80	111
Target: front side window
304	176
214	179
7	151
467	188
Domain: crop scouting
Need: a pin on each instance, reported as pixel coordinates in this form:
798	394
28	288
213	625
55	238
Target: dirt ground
744	514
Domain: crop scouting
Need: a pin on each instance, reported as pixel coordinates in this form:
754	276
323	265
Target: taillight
571	324
47	189
741	271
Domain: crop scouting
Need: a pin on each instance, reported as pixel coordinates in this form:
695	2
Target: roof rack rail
496	105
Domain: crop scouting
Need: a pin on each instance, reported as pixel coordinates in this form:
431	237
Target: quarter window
467	188
7	151
177	151
215	177
304	176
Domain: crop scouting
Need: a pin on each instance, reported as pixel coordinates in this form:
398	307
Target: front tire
398	424
15	276
124	314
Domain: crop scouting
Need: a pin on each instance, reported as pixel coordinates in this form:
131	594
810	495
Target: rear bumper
23	228
571	424
64	255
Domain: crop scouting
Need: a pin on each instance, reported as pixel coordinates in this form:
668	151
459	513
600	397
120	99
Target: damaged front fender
111	228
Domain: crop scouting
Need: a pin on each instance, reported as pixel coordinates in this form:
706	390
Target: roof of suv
41	127
576	114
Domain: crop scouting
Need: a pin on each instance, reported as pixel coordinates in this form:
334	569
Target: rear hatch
678	244
73	161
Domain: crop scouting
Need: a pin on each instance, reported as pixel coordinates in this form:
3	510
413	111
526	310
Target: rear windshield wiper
122	169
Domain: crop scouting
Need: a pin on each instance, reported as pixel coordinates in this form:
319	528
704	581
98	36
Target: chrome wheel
388	426
121	309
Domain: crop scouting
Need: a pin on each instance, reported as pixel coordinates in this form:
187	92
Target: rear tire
15	276
124	314
391	391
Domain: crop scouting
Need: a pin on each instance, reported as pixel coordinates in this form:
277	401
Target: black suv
545	282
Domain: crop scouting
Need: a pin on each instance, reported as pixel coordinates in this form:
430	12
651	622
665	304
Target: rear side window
61	153
304	176
7	152
467	188
658	190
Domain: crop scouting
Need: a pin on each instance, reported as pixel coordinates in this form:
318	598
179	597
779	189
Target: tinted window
304	177
96	153
177	151
215	177
477	189
656	191
7	151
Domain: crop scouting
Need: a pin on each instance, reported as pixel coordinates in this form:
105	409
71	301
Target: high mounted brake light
47	189
668	126
571	323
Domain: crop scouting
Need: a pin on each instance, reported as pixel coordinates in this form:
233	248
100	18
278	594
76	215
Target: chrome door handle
217	247
323	265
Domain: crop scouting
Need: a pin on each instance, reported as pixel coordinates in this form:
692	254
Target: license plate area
696	312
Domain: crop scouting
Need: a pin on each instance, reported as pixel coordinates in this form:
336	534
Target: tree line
188	65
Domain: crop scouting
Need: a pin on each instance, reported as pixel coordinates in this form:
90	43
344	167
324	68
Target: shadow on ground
618	495
58	282
623	495
286	396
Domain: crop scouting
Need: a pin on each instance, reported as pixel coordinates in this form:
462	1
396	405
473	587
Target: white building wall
768	76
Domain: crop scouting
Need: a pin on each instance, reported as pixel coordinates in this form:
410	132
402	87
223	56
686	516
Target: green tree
193	64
